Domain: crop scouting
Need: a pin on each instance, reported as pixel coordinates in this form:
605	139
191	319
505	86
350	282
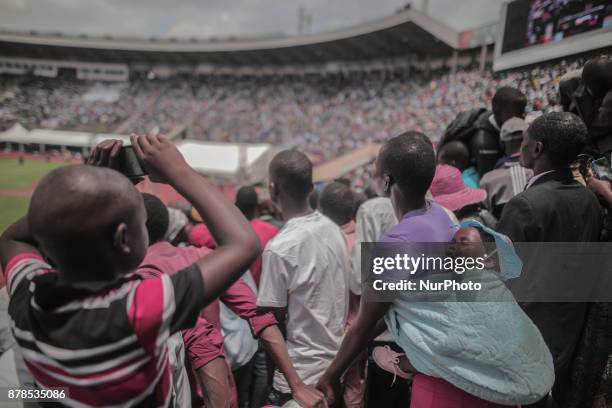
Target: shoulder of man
493	176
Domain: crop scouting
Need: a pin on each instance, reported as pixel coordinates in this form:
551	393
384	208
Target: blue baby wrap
487	347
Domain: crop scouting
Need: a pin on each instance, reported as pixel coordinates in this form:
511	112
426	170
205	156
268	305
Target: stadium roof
346	163
408	32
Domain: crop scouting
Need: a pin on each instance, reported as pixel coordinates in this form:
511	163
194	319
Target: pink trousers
430	392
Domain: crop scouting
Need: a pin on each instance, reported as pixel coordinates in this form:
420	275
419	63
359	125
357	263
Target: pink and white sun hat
449	190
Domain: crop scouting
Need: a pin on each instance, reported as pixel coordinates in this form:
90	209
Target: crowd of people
122	301
325	116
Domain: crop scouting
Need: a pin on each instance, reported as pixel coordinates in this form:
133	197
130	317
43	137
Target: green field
19	177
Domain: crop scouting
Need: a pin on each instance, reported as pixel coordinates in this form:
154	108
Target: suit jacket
556	208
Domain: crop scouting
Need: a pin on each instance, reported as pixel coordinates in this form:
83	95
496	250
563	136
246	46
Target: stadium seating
325	116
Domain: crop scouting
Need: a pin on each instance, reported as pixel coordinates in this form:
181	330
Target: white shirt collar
535	178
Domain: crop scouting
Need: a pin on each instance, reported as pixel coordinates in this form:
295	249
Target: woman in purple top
406	167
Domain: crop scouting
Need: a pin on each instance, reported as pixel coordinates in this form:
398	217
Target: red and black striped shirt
106	344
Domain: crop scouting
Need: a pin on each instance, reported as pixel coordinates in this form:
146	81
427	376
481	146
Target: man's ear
120	238
538	149
387	182
273	190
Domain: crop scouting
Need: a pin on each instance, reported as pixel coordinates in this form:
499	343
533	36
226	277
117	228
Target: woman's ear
120	239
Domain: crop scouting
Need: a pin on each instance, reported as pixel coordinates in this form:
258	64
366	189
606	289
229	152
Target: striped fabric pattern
518	176
109	347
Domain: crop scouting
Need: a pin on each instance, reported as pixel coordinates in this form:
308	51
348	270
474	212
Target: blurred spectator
324	116
456	154
509	177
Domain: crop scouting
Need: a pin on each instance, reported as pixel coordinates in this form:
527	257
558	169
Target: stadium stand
325	116
327	93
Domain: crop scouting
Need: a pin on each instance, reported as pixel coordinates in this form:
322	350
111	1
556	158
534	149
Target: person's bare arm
16	240
365	328
275	346
213	378
603	190
237	244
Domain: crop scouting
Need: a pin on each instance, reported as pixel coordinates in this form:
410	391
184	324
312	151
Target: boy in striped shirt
88	323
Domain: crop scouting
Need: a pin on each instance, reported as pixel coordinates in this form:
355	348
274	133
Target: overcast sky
222	18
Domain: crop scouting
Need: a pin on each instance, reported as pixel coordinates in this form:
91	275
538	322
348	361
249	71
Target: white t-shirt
306	269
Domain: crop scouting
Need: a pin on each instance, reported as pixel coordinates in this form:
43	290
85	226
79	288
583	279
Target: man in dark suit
554	208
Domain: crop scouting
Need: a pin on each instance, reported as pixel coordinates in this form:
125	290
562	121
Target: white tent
43	138
15	131
237	162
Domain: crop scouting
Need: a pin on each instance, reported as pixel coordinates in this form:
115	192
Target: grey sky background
221	18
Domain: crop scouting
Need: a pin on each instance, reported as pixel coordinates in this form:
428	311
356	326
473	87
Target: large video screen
550	21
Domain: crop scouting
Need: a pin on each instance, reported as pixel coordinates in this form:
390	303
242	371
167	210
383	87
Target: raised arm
237	244
16	240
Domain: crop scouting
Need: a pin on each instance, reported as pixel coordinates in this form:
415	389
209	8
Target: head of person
455	154
371	190
508	103
597	76
406	165
313	199
511	135
604	117
587	99
467	242
568	84
158	219
267	208
247	201
600	130
178	226
89	222
359	198
290	174
337	202
473	242
553	141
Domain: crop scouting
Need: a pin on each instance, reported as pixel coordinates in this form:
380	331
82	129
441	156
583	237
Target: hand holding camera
152	155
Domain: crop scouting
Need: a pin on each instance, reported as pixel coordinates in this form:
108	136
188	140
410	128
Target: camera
129	165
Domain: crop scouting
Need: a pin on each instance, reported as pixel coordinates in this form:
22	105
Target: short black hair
508	98
563	135
313	199
337	202
360	198
456	154
597	75
410	160
157	217
291	171
247	201
568	84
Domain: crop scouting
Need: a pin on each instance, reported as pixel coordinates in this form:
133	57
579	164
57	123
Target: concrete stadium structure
394	42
